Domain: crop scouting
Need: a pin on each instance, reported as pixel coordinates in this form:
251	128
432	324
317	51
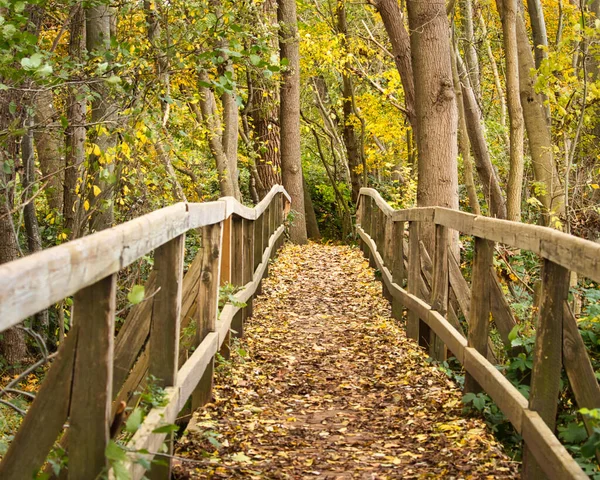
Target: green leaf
134	421
573	433
166	429
255	59
33	62
136	295
513	333
115	452
113	80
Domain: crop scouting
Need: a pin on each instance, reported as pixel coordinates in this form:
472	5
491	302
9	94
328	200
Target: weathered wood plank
207	304
578	366
248	261
237	269
91	397
479	325
379	201
553	458
166	311
50	408
547	355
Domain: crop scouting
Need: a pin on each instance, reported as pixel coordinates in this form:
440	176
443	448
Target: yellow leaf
97	191
595	186
86	205
97	150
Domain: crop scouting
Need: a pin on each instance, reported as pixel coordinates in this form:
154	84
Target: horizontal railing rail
96	374
433	321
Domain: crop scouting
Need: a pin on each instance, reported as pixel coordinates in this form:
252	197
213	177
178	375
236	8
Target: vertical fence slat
92	378
397	264
164	328
479	310
547	359
439	287
207	303
413	327
237	269
248	261
266	228
225	273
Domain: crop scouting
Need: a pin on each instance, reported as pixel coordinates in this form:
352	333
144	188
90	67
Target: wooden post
92	378
258	248
366	221
266	229
387	252
237	270
373	225
164	328
413	325
207	303
248	260
547	359
225	274
479	311
439	288
397	263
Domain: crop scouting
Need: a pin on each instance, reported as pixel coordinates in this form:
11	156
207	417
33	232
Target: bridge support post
237	270
439	289
207	300
248	263
226	273
396	258
164	328
416	328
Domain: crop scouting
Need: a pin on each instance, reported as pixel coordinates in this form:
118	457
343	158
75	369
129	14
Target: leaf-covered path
326	385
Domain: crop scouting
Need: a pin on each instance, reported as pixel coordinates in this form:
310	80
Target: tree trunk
289	116
104	113
551	195
75	134
538	29
34	240
508	15
393	20
354	148
49	148
210	118
435	104
463	142
12	342
470	51
312	227
485	169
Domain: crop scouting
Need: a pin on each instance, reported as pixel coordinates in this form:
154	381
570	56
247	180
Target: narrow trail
326	385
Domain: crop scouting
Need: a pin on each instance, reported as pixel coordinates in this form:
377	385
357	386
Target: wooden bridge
94	372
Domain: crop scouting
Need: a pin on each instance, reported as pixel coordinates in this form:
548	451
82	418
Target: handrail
93	373
574	253
33	283
381	229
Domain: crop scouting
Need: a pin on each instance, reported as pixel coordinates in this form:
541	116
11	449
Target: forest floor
325	384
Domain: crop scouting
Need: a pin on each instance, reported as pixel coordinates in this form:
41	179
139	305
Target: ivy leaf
136	295
166	428
114	452
33	62
573	433
134	421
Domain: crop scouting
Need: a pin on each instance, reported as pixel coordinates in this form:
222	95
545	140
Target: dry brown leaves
330	387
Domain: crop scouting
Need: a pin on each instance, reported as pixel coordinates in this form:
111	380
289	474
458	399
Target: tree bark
470	50
104	113
485	169
49	148
545	171
436	111
289	116
393	21
75	134
354	147
538	29
312	226
508	16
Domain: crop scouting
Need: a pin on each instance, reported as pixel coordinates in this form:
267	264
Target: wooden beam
92	378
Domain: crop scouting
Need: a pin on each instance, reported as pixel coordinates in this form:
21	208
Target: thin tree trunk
538	28
34	240
494	65
463	142
470	50
485	169
508	16
545	171
312	227
436	111
104	113
354	152
289	117
75	134
49	148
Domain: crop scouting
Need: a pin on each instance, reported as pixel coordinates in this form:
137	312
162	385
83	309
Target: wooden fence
94	371
433	321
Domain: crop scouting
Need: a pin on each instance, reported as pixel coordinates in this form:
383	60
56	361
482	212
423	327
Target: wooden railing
432	320
94	371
